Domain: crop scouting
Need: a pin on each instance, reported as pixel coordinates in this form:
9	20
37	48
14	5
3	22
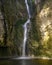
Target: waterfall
28	9
25	36
25	26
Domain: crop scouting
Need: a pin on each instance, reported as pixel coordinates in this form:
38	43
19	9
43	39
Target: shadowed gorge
26	28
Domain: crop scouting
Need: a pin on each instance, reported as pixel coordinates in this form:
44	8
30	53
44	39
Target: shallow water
25	62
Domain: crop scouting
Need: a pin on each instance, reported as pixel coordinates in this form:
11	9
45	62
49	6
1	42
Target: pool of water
25	62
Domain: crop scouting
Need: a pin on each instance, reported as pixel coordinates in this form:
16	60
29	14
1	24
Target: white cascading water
25	26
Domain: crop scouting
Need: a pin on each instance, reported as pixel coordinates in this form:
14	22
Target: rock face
41	33
1	29
15	15
39	42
